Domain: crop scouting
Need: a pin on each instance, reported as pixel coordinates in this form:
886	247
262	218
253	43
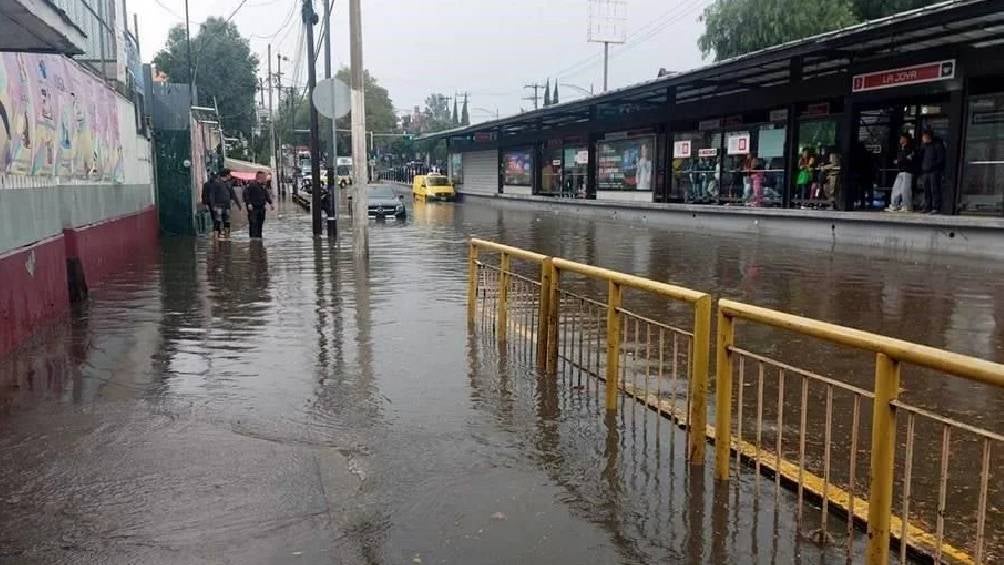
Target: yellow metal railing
590	335
891	355
524	299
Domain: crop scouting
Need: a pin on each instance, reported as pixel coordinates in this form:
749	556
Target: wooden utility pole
309	20
360	159
535	86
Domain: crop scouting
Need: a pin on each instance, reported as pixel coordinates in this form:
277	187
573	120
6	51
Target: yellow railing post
882	458
502	318
613	343
723	395
546	268
472	280
698	418
551	366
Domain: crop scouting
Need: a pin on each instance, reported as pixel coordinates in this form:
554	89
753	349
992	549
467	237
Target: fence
578	319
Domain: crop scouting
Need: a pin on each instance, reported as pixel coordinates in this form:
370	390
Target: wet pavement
277	403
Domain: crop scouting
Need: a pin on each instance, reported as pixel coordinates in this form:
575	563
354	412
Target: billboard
518	167
57	120
625	164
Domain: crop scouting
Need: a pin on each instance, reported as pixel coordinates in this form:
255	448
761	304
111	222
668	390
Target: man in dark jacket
219	195
932	171
256	196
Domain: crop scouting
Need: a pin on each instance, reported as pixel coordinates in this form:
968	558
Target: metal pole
271	129
188	43
309	20
606	60
360	161
333	194
278	145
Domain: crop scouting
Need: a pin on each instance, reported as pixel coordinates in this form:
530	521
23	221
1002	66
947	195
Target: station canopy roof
950	24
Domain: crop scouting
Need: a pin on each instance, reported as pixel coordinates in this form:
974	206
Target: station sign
817	109
681	149
484	136
916	74
712	152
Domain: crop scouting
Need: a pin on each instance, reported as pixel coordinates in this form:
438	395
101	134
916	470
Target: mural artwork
57	120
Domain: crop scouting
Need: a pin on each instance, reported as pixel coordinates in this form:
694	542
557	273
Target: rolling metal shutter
481	172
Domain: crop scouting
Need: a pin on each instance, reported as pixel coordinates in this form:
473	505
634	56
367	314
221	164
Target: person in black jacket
902	188
219	195
256	196
932	171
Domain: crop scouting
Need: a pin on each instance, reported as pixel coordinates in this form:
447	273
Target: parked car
433	187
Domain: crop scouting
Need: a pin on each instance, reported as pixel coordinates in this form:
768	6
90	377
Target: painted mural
57	120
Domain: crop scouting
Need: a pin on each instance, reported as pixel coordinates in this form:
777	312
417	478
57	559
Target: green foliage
225	70
436	116
735	27
294	114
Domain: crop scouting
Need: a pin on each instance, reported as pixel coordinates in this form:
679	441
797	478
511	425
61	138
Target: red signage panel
891	78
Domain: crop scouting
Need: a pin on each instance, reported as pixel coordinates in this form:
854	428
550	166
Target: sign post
331	98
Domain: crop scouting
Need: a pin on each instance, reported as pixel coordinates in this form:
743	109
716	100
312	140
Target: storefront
982	187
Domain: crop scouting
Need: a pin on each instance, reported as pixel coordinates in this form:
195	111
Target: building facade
76	176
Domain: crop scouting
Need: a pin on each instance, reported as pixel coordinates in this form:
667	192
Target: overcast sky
490	48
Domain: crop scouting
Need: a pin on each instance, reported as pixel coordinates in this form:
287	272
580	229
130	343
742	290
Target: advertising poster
56	119
682	149
517	168
625	164
739	143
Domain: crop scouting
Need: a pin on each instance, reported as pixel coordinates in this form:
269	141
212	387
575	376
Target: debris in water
499	516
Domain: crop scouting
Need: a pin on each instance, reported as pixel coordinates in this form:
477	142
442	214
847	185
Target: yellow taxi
433	187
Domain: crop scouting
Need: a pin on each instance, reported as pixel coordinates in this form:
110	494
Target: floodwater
247	403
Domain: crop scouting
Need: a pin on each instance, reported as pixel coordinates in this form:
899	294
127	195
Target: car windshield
437	181
381	194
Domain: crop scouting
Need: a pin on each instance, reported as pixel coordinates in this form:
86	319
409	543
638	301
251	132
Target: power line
285	23
536	86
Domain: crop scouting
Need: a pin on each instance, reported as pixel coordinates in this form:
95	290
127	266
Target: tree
547	93
294	114
225	71
436	115
554	95
735	27
456	118
465	116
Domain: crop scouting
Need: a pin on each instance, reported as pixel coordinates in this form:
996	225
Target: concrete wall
50	226
625	195
899	235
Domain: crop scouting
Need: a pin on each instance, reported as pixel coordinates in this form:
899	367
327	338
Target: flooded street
236	402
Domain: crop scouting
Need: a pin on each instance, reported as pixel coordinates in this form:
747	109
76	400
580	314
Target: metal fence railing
916	480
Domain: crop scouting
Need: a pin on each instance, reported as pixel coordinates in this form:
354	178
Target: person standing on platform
256	196
220	196
932	171
902	188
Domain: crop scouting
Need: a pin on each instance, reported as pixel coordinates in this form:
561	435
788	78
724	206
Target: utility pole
333	194
360	159
278	142
188	43
271	129
309	20
606	61
536	86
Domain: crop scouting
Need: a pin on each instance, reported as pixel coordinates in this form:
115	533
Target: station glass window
456	168
576	164
817	171
550	171
695	166
982	190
